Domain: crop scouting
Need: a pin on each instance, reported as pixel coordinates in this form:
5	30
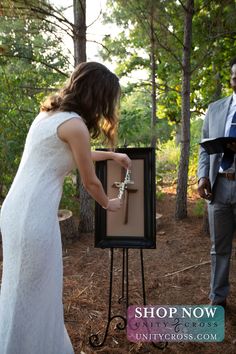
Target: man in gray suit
217	184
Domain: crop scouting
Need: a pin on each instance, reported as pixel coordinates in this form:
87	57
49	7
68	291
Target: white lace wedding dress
31	308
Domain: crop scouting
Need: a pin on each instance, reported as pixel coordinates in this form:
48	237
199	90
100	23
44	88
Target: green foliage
213	45
196	127
160	195
214	40
135	123
132	47
135	120
168	155
32	64
31	67
199	208
69	198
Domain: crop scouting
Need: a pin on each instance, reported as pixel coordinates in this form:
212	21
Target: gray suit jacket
213	127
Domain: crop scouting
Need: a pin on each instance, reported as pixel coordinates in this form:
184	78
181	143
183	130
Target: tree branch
13	98
184	7
169	51
102	45
173	34
100	13
202	60
187	268
36	61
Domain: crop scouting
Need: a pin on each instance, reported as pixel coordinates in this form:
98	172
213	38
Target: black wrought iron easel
94	339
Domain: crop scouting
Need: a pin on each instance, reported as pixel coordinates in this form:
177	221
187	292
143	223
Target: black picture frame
148	204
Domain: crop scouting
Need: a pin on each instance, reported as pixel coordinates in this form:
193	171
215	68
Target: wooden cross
127	188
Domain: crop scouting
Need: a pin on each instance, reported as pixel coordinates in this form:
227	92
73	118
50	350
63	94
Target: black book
217	145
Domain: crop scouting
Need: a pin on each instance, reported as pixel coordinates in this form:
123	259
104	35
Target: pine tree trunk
86	202
79	33
182	186
153	77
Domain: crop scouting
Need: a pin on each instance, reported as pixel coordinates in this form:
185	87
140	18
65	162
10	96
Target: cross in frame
129	188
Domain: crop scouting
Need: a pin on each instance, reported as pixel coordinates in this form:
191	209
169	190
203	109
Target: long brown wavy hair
93	92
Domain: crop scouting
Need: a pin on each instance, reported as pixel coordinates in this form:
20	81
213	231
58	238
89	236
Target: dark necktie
228	157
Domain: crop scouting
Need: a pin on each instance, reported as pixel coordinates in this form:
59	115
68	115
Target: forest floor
180	245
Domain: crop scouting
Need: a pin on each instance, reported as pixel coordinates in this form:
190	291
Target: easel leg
121	299
142	275
127	277
94	338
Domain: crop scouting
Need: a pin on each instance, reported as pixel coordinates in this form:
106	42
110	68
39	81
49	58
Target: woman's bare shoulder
72	128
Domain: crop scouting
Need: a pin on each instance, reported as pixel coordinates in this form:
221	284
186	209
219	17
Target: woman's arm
121	159
102	155
75	133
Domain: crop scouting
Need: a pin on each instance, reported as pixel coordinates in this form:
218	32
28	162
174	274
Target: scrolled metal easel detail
94	338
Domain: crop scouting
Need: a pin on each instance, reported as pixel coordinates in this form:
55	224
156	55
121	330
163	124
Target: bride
31	307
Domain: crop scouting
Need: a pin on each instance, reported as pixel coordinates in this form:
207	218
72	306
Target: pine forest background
173	60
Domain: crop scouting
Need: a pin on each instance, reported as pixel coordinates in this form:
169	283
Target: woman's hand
114	204
123	160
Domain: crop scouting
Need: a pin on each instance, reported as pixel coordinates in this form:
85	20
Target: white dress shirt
231	112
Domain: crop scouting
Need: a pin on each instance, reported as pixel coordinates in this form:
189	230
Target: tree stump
69	231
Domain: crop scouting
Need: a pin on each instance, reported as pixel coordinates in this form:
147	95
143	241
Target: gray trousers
222	222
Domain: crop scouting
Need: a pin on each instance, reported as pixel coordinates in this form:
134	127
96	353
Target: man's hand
204	188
